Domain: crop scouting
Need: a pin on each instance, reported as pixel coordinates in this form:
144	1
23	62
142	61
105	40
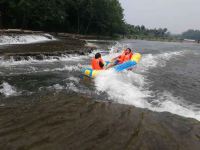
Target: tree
191	34
103	17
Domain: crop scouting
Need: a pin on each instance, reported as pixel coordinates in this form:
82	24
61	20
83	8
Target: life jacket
128	57
121	57
95	64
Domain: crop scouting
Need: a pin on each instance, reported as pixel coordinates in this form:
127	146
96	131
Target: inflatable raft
118	68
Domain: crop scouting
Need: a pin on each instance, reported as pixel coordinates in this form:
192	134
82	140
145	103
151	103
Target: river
165	84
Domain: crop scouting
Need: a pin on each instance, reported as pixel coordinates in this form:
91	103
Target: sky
176	15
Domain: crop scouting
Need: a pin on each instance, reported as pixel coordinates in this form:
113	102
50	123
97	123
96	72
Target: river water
166	80
46	99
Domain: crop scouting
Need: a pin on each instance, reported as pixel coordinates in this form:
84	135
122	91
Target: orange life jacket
128	57
95	64
121	57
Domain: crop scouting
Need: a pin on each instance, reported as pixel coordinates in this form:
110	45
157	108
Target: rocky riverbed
66	121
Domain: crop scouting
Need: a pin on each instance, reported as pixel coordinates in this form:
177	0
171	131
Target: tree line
191	34
142	31
76	16
104	17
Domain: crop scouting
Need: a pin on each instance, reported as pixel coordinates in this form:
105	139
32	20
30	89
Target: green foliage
142	31
191	34
77	16
104	17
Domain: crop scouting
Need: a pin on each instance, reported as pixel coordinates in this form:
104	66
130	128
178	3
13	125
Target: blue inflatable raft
124	66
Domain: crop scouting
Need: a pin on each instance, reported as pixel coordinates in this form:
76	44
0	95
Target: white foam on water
118	47
57	87
52	59
89	44
176	105
31	69
150	61
71	86
113	51
7	90
66	68
24	39
74	58
120	87
132	88
74	79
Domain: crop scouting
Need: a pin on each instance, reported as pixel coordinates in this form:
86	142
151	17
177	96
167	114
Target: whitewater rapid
58	73
133	87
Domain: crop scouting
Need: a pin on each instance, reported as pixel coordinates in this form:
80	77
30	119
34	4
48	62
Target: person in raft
125	56
97	62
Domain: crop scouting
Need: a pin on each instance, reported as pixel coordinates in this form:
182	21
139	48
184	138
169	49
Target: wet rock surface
64	44
69	46
67	121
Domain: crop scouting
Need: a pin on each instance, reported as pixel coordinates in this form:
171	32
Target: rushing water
25	39
166	80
